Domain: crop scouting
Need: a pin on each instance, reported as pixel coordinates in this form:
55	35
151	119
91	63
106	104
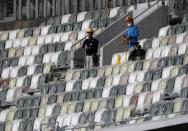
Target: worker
130	38
90	45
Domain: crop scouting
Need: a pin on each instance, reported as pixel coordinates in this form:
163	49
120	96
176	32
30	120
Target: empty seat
81	16
44	30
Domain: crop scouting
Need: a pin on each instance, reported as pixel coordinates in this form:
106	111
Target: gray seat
18	114
97	14
121	90
29	125
84	74
184	107
105	13
183	70
57	20
38	59
121	12
34	112
148	75
83	95
73	18
184	93
3	94
147	44
68	27
110	103
89	15
60	87
51	48
22	71
89	94
75	96
22	125
49	21
103	23
138	66
82	119
14	61
56	110
180	29
59	46
6	63
52	122
98	93
52	99
162	63
92	73
27	82
171	30
100	82
79	107
28	102
43	49
28	32
179	60
157	74
52	29
26	114
77	26
147	87
36	101
2	44
108	116
67	97
4	53
60	28
77	85
113	91
170	61
20	103
64	58
39	69
170	85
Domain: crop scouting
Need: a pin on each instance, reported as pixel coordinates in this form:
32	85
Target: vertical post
114	2
14	9
20	10
53	7
75	6
28	8
67	6
62	7
45	8
83	5
99	4
91	5
36	8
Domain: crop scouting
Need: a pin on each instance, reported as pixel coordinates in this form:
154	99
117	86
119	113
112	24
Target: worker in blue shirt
130	38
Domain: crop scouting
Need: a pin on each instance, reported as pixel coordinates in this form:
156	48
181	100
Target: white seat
13	34
165	51
155	43
124	57
163	31
93	82
31	69
114	59
113	12
24	42
132	77
57	38
55	57
178	84
40	40
34	81
106	92
16	43
98	115
37	123
68	45
20	81
140	76
116	80
179	38
60	120
10	94
48	39
67	119
81	35
155	85
49	110
166	72
182	49
65	18
65	36
3	115
70	85
141	101
130	89
27	50
16	125
149	53
156	97
81	16
86	24
75	119
14	71
47	58
35	50
5	72
86	84
127	100
30	60
157	52
44	30
9	44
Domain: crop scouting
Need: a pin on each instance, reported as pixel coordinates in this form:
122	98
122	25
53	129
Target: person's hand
123	40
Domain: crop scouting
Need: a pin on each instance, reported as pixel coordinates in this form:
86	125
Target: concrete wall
149	26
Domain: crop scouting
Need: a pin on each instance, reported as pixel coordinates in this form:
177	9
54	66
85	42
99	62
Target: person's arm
83	45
